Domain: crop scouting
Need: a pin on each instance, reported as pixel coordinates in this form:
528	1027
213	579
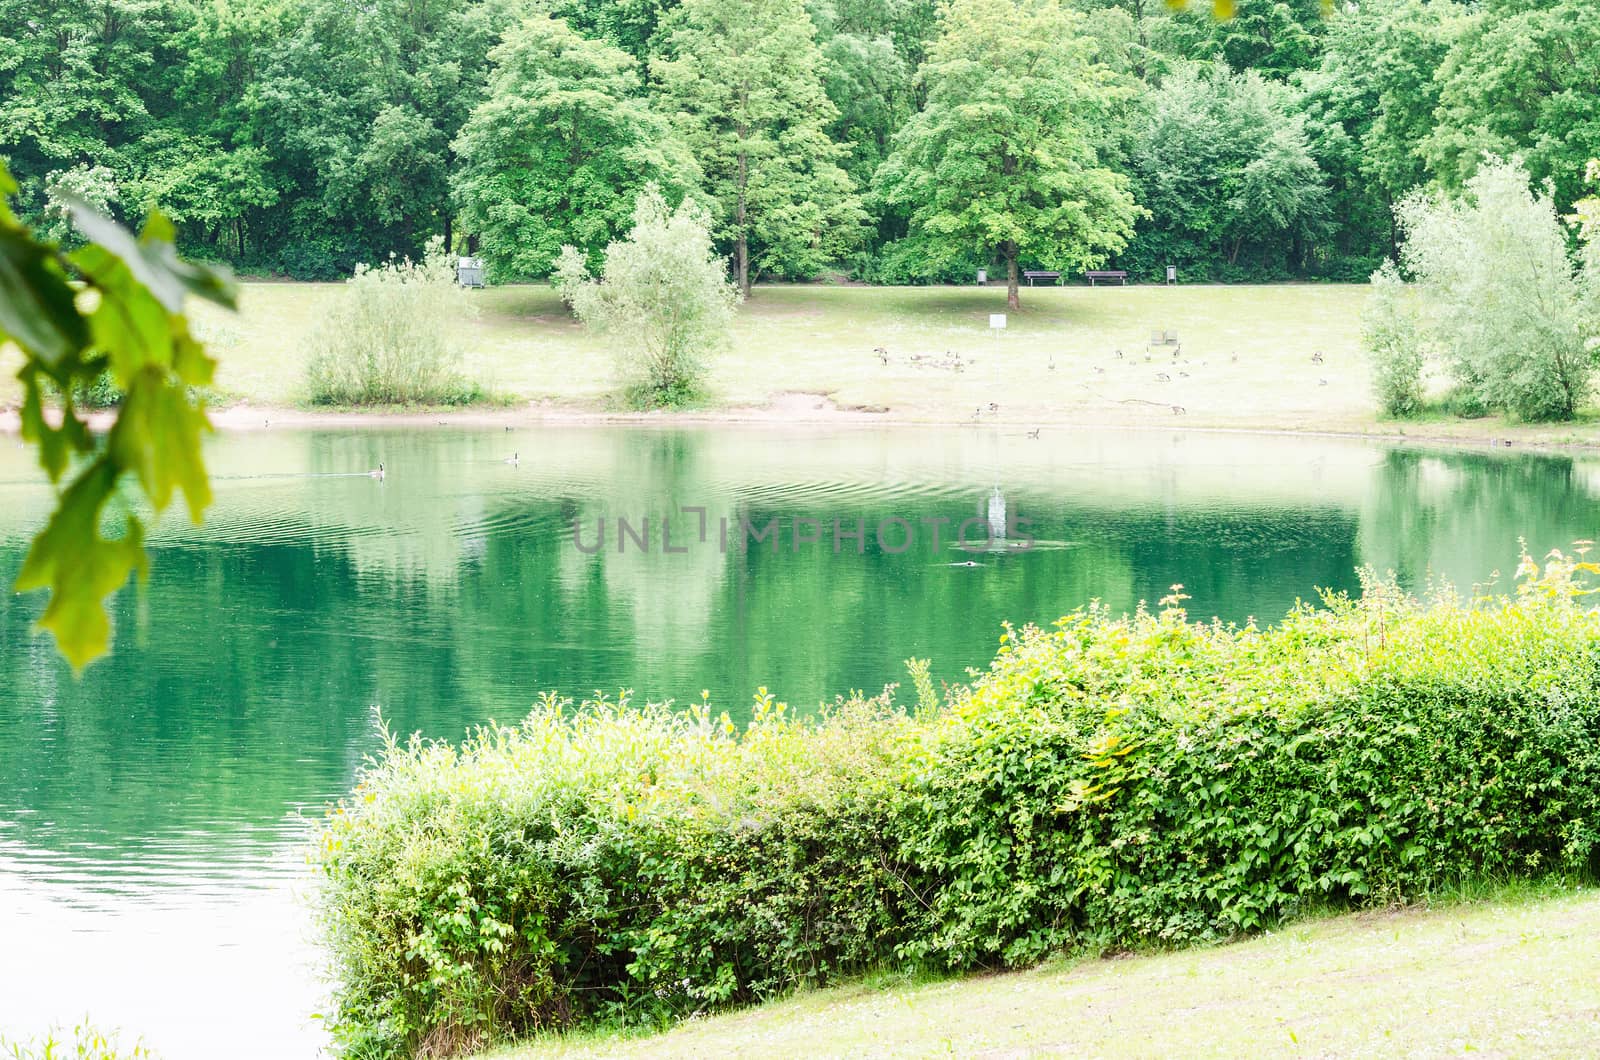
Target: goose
513	459
377	474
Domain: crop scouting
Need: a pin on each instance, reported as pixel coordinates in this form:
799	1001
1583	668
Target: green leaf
80	567
157	437
153	259
37	311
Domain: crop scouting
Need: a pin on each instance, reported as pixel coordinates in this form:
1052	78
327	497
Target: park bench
1163	338
1107	274
1038	274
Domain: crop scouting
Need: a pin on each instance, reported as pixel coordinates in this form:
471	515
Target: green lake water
153	814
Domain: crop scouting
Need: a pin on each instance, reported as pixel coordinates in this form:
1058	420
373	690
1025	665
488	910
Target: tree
559	150
742	83
1505	299
360	104
1224	167
1521	80
1392	337
1368	107
133	327
1001	158
663	293
1275	38
871	51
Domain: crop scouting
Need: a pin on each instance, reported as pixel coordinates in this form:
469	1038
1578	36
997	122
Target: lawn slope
1511	977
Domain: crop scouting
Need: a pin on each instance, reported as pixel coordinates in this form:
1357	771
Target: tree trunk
449	234
1013	299
742	250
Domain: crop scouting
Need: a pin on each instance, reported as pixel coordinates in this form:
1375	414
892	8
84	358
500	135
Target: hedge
1113	781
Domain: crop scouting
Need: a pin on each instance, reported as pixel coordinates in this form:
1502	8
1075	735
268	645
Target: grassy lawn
1246	352
1277	357
1514	977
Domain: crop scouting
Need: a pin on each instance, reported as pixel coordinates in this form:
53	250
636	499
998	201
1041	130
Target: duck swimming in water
377	474
513	459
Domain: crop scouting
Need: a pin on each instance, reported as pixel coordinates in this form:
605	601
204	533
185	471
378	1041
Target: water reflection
170	780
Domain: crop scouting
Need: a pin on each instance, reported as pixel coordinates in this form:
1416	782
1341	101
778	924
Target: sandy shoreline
805	410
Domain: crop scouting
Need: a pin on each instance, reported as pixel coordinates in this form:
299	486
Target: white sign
997	321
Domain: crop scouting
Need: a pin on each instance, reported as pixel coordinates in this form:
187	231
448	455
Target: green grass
1515	976
1247	361
820	340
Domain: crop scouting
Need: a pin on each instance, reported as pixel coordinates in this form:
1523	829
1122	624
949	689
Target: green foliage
1586	218
604	860
1391	333
663	295
306	136
389	340
559	149
1503	295
1111	781
1520	80
1224	167
1273	39
93	187
1001	158
113	307
742	80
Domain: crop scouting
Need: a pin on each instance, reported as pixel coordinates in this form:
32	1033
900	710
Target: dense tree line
898	140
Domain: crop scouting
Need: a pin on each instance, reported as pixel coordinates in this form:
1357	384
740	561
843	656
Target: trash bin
983	276
1172	274
469	272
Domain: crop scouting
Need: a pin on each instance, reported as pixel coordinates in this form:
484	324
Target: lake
153	814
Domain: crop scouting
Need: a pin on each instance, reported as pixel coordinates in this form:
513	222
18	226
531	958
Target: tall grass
392	337
85	1043
1110	781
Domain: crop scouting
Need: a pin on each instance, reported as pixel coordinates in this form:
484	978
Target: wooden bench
1107	274
1037	274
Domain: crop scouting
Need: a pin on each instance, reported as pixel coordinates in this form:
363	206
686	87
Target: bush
610	861
663	294
1112	781
1392	337
388	339
1506	300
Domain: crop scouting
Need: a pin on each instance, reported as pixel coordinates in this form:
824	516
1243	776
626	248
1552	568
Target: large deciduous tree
742	84
361	103
1523	78
558	151
1225	169
1001	159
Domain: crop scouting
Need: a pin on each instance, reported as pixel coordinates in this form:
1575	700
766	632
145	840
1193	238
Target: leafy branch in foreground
113	305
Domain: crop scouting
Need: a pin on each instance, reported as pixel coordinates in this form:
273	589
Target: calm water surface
153	814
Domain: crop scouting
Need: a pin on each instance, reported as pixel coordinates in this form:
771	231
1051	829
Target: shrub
608	861
388	339
663	294
1507	302
1392	336
1111	781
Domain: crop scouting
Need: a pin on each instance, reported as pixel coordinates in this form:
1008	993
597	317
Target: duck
377	473
514	459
